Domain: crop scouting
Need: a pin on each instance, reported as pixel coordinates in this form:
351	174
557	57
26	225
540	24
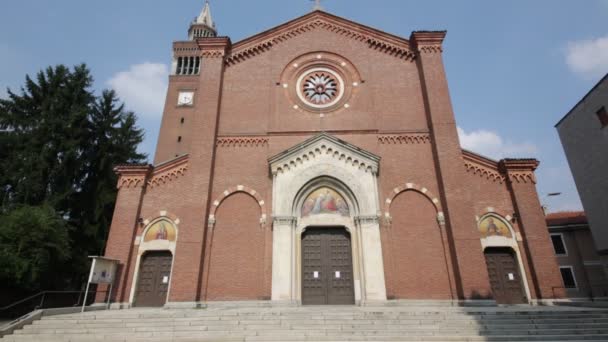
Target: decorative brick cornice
132	176
242	141
428	41
405	138
185	47
216	47
169	171
481	166
374	39
519	170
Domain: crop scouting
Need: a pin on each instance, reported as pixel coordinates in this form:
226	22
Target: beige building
584	136
579	261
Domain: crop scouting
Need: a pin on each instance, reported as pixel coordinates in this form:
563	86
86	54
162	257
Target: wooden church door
154	277
327	267
505	278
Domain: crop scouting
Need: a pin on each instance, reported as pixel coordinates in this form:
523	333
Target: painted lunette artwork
324	201
160	230
493	226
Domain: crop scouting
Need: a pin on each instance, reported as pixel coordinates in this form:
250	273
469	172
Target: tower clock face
185	98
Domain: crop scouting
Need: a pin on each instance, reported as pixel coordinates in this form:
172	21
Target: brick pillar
468	261
187	270
546	280
120	244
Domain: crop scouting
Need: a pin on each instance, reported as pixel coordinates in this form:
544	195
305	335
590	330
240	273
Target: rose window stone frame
320	83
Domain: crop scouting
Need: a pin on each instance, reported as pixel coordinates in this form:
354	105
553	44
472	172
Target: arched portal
320	184
154	263
503	259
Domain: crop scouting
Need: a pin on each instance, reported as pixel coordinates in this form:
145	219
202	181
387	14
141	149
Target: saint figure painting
324	201
160	230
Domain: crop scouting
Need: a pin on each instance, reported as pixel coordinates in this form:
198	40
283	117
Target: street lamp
550	194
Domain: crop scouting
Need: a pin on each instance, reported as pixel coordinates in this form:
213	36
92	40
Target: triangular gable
375	39
324	144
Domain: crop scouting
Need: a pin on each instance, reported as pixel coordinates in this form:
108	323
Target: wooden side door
154	278
327	267
505	278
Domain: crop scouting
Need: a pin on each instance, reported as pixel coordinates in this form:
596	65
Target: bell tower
203	25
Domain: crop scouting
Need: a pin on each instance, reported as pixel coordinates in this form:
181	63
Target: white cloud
143	88
491	144
588	58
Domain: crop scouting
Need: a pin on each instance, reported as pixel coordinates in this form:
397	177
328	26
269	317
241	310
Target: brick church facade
318	162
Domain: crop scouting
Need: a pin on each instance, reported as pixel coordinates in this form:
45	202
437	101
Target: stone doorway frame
352	172
504	242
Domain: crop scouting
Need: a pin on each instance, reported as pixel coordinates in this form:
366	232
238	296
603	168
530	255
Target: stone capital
284	220
367	219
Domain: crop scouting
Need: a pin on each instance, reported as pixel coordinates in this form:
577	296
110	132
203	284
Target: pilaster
131	185
465	249
188	269
546	281
282	258
371	256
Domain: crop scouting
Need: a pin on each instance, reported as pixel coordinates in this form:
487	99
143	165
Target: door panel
505	278
154	278
327	267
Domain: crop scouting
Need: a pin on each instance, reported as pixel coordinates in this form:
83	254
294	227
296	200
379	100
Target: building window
602	115
179	139
188	66
559	246
568	277
182	120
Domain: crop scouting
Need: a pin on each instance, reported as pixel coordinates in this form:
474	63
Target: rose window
320	88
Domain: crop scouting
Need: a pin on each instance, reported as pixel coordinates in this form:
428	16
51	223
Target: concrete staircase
346	323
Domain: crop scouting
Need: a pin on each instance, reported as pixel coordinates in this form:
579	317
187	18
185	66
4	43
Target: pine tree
58	147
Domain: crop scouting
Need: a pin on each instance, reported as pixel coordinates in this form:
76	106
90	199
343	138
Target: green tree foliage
59	144
34	246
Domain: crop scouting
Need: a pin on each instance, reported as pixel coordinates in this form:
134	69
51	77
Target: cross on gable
317	5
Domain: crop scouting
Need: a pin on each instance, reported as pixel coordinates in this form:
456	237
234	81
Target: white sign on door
511	276
165	279
337	274
315	274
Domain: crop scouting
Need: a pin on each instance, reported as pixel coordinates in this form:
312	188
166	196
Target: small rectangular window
602	115
182	120
558	244
568	277
179	139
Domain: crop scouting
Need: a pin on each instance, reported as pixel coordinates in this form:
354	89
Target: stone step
380	324
219	338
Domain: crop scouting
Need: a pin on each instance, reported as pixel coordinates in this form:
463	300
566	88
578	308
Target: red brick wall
236	252
396	96
417	267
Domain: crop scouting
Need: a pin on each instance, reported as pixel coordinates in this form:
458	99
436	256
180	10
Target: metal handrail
43	293
47	300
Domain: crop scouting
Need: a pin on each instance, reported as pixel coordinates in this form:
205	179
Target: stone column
125	221
467	257
374	286
546	280
283	258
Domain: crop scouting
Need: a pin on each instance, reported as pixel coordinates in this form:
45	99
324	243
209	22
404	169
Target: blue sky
514	67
